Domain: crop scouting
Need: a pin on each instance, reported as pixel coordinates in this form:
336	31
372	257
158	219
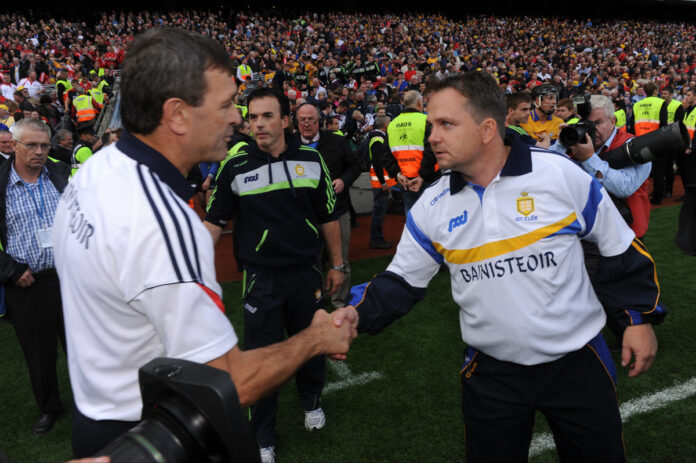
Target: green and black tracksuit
278	206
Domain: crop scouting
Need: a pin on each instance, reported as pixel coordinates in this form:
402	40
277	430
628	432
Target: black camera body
575	133
191	412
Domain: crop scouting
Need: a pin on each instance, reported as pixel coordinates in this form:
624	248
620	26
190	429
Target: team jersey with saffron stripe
137	275
514	254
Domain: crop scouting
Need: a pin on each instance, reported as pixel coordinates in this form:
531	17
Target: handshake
334	332
329	333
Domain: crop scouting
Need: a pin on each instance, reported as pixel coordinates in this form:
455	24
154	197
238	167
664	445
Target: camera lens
571	135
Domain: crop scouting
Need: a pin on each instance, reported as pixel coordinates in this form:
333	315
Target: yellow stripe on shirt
498	248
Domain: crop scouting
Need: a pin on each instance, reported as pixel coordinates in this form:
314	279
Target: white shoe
267	455
314	419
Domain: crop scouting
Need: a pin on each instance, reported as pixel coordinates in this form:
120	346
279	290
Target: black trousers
275	304
576	393
90	436
37	315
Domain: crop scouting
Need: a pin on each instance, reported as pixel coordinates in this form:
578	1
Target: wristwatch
343	268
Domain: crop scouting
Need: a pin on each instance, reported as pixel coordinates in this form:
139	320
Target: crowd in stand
326	56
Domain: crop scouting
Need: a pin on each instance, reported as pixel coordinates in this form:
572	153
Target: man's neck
488	166
276	151
170	149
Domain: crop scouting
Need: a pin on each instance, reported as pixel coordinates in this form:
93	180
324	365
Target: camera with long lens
672	139
191	413
575	133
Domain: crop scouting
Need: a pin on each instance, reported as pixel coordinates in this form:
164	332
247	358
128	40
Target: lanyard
39	211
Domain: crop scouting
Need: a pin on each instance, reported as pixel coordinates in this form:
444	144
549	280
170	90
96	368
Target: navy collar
157	163
519	162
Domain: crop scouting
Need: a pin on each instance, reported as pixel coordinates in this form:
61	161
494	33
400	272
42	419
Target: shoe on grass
314	419
267	455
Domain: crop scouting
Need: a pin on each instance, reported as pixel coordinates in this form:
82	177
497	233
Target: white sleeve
188	320
601	221
416	260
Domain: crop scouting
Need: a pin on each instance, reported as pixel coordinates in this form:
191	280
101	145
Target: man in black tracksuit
280	196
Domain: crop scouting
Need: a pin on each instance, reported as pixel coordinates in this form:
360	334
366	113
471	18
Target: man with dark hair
87	144
29	190
333	123
518	107
279	194
506	220
566	111
146	285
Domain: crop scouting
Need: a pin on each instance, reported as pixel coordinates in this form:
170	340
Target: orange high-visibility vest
646	114
84	108
406	135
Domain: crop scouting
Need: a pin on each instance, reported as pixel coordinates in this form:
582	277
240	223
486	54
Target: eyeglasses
33	146
307	120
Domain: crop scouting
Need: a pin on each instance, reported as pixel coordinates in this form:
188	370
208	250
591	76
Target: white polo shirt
137	276
514	254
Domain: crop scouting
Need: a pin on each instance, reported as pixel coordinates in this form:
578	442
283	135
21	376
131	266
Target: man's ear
177	116
489	130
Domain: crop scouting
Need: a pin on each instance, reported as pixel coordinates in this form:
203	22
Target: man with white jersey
138	264
507	220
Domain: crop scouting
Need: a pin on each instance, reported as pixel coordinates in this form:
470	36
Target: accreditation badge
45	237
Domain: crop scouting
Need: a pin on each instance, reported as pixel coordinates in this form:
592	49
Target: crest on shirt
299	170
525	204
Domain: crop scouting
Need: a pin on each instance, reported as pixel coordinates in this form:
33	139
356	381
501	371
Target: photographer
627	186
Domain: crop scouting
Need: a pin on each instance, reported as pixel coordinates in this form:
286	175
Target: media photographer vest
646	114
406	135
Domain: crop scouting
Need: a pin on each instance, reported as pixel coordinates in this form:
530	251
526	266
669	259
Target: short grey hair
411	99
381	122
602	101
62	134
31	124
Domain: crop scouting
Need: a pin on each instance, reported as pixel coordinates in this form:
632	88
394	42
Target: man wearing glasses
627	185
29	192
343	169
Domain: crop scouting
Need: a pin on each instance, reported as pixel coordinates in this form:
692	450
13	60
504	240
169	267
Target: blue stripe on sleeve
589	213
423	240
572	229
636	317
356	294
